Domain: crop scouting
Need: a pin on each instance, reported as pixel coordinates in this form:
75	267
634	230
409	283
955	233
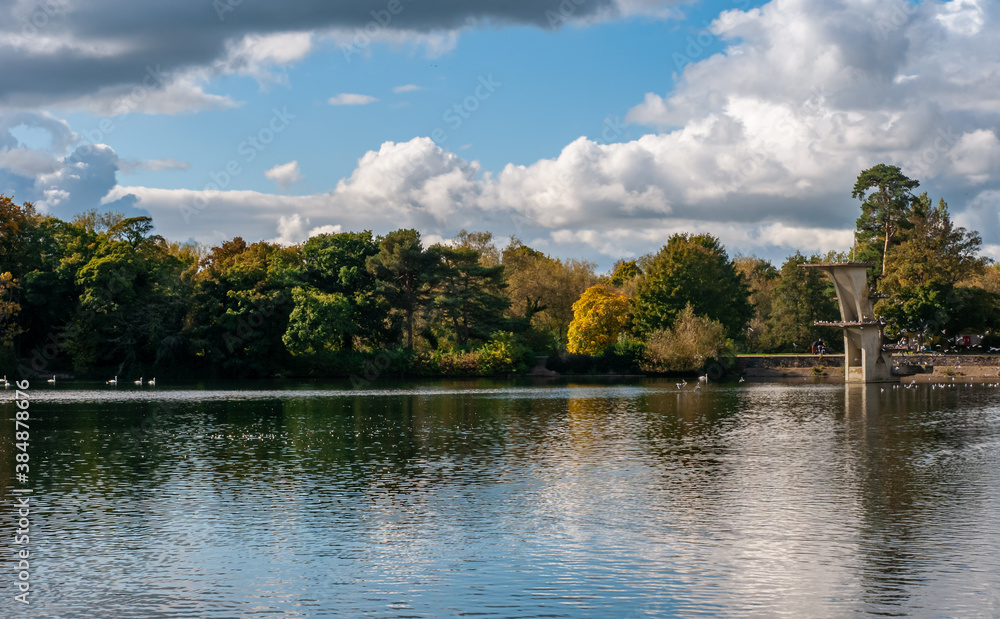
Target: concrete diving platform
865	358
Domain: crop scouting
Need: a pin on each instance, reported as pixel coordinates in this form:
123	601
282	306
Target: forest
102	295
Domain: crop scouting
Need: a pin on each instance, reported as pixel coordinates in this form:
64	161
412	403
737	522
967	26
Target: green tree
318	321
695	270
886	200
337	264
405	272
624	272
468	294
923	273
242	301
800	298
761	276
132	299
600	316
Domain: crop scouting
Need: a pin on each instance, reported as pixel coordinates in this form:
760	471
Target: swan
4	381
52	380
113	381
151	382
138	382
742	379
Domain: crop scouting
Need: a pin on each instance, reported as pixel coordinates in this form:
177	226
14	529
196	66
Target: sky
590	129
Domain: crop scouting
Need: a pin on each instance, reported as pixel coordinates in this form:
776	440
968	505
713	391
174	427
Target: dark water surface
510	500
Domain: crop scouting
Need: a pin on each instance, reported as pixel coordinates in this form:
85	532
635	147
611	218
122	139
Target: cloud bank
759	144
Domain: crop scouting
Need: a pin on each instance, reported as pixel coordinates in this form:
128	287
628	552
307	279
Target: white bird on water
151	382
52	380
138	382
113	381
742	379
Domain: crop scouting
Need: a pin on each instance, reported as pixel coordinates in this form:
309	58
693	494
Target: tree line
102	295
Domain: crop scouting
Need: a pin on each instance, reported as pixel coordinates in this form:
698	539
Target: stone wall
948	361
761	362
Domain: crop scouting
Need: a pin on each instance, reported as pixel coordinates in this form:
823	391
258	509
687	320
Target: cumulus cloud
593	198
347	98
293	229
285	174
58	178
804	96
758	144
327	229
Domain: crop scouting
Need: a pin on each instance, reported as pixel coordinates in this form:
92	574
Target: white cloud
406	88
130	166
291	230
264	57
27	162
976	156
964	17
758	144
285	174
347	98
166	94
327	229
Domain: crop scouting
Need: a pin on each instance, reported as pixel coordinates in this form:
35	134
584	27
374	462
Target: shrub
503	354
689	345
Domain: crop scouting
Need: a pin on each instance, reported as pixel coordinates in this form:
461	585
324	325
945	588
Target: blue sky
588	128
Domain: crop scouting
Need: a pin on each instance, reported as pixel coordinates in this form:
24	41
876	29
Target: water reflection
630	499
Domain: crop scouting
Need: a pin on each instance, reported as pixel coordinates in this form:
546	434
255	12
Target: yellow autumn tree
599	317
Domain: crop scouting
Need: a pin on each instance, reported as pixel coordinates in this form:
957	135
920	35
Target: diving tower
865	360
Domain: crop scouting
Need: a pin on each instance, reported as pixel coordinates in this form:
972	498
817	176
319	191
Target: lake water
498	499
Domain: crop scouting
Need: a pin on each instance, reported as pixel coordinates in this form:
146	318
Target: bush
625	356
629	351
689	345
502	354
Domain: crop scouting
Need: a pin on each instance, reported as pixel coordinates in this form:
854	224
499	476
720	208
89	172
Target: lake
510	499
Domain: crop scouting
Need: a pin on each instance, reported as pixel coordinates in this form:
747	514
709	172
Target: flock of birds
701	379
114	381
952	384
